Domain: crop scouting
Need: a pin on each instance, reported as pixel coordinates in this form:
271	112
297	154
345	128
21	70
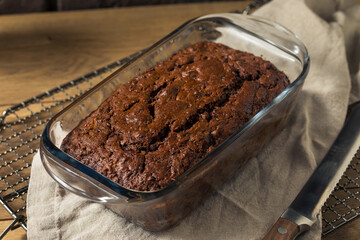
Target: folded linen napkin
248	205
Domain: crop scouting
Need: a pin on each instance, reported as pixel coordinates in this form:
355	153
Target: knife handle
283	229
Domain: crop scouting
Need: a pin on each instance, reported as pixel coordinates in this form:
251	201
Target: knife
303	211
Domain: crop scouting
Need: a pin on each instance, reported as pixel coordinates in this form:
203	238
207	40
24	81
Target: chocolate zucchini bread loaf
161	123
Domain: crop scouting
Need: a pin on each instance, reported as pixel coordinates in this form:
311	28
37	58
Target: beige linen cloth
248	205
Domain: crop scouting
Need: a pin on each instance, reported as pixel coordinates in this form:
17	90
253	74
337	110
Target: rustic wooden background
41	51
28	6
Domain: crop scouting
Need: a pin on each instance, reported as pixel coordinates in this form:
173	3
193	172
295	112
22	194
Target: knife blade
303	211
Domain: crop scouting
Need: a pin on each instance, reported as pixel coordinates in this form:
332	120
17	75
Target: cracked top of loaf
161	123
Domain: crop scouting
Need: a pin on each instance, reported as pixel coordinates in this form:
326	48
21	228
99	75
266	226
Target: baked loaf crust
161	123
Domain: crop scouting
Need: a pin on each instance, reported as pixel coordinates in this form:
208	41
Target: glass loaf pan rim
121	193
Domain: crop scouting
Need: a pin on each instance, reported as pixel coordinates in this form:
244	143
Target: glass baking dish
157	210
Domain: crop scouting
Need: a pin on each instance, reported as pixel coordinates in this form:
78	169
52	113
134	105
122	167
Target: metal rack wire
343	204
21	127
20	131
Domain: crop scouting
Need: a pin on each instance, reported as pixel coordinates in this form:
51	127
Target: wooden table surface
40	51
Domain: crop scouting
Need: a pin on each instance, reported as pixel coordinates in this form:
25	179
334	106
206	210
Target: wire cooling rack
343	204
21	127
20	131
